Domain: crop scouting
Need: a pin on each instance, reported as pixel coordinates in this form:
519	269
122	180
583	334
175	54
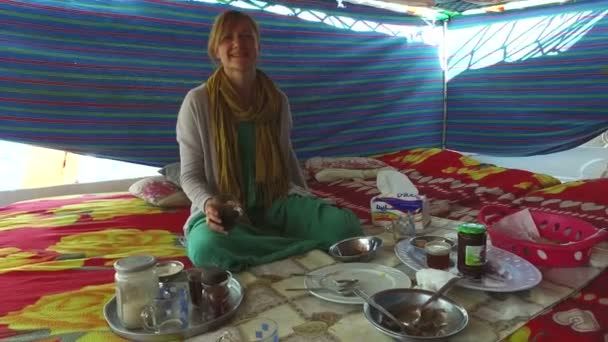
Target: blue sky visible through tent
442	10
485	45
427	34
512	41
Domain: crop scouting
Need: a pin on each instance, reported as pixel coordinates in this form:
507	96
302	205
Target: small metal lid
134	263
165	269
472	228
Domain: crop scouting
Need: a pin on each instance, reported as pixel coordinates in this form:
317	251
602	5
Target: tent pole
444	67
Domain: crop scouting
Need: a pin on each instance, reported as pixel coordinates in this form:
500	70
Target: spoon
444	288
341	285
403	327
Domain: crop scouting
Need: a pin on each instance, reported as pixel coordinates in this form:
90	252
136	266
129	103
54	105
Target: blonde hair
219	26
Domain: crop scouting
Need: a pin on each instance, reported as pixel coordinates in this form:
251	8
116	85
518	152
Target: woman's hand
212	211
223	212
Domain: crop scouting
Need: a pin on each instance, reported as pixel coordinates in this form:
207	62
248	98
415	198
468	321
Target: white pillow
159	191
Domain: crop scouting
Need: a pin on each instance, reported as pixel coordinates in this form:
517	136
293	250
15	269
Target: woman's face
238	47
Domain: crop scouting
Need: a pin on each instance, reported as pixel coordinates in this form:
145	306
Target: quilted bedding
56	254
467	185
56	259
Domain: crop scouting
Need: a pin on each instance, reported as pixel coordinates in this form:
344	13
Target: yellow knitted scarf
226	110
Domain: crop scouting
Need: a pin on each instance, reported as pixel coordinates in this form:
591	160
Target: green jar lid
472	228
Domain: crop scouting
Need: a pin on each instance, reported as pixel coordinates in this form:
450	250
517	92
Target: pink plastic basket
575	237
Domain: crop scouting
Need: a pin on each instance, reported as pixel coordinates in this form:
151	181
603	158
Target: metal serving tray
197	325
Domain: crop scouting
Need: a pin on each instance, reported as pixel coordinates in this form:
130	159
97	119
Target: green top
252	205
472	228
246	138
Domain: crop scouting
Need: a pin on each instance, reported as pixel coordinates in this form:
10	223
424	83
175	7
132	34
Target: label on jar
475	255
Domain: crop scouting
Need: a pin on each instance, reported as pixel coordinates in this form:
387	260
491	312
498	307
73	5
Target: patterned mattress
56	257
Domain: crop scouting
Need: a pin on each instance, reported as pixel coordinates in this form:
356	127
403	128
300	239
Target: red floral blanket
468	185
56	260
56	255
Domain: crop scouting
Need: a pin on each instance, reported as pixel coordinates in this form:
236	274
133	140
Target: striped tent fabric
362	93
528	82
106	78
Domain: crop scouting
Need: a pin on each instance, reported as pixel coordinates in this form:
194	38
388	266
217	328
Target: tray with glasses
164	319
504	271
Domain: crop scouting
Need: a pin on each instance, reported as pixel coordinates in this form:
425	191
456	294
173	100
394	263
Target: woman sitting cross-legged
234	140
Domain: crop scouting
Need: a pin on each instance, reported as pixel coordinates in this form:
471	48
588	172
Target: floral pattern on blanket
58	253
585	199
465	182
325	169
69	244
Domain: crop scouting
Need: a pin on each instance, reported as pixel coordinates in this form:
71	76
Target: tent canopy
107	78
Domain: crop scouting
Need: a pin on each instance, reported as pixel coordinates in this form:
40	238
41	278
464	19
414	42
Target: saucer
165	269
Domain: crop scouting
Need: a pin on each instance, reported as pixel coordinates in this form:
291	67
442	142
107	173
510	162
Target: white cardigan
198	169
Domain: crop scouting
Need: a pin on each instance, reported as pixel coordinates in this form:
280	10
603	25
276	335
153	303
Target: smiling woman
234	140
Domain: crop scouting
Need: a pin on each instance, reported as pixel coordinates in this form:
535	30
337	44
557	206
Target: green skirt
291	226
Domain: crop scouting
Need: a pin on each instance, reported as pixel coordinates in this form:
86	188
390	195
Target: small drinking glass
216	292
167	313
261	329
229	210
438	254
403	227
195	286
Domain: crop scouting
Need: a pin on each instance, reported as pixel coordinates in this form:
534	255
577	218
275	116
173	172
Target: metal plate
486	2
510	272
423	239
166	269
197	325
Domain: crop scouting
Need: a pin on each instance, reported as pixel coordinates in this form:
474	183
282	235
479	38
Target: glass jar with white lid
136	285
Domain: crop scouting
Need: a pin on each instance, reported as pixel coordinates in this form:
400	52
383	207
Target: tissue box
386	209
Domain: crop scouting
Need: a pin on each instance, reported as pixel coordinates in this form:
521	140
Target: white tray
510	272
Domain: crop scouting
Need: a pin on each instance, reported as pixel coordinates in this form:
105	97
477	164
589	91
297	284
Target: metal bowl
401	302
357	249
419	241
